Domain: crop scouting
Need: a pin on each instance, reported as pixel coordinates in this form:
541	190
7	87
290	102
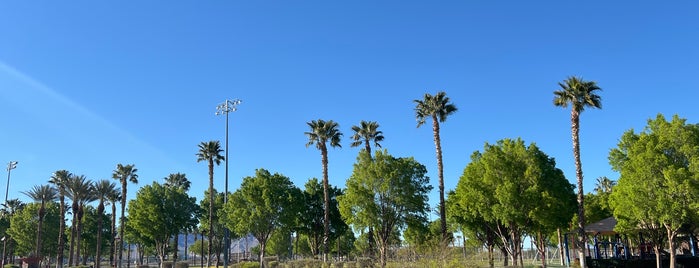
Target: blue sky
86	85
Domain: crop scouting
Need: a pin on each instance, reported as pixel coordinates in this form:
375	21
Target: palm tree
366	133
177	181
321	133
113	198
579	94
80	191
125	174
438	108
59	179
41	194
604	185
103	190
210	152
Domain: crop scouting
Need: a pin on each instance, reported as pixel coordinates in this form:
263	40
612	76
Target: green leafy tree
12	207
385	193
159	212
217	224
579	94
178	181
657	189
59	180
367	133
324	132
437	108
311	218
211	153
474	225
263	204
103	190
80	190
124	174
514	190
23	229
41	194
90	233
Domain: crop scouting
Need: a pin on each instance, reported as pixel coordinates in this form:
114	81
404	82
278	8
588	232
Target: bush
250	265
167	264
182	264
10	265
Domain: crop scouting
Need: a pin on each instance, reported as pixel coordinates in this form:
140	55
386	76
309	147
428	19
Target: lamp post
10	166
225	108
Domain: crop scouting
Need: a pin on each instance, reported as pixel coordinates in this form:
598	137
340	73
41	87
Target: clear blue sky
85	85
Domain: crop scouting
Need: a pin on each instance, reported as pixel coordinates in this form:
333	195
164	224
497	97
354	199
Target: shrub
182	264
167	264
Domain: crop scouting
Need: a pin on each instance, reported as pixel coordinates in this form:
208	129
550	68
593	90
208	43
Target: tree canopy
384	193
657	189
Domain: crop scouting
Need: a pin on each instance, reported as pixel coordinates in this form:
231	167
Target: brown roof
603	227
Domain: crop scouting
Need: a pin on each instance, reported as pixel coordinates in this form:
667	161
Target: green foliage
159	212
657	188
385	193
263	204
89	232
23	226
310	220
515	186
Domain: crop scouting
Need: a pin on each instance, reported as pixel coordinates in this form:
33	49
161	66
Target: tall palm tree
177	181
366	133
103	190
211	153
113	198
579	94
59	179
80	191
41	194
438	108
321	133
125	174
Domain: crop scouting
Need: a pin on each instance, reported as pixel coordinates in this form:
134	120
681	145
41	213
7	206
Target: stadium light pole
10	166
225	108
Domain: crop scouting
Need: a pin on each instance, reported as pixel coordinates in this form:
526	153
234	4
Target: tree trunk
575	127
177	244
541	247
491	258
326	202
38	231
73	230
658	262
61	231
263	245
211	211
78	234
112	250
440	170
98	250
560	246
505	256
671	245
122	221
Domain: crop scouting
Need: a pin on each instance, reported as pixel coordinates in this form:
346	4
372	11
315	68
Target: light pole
225	108
10	166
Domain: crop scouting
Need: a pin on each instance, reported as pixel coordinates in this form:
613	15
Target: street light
225	108
10	166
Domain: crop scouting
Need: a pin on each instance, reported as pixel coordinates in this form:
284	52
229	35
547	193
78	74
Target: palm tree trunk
112	250
326	201
38	231
122	222
370	233
98	250
575	127
440	170
211	211
78	235
73	230
61	231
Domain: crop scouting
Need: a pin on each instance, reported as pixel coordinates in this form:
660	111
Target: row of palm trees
574	91
81	191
